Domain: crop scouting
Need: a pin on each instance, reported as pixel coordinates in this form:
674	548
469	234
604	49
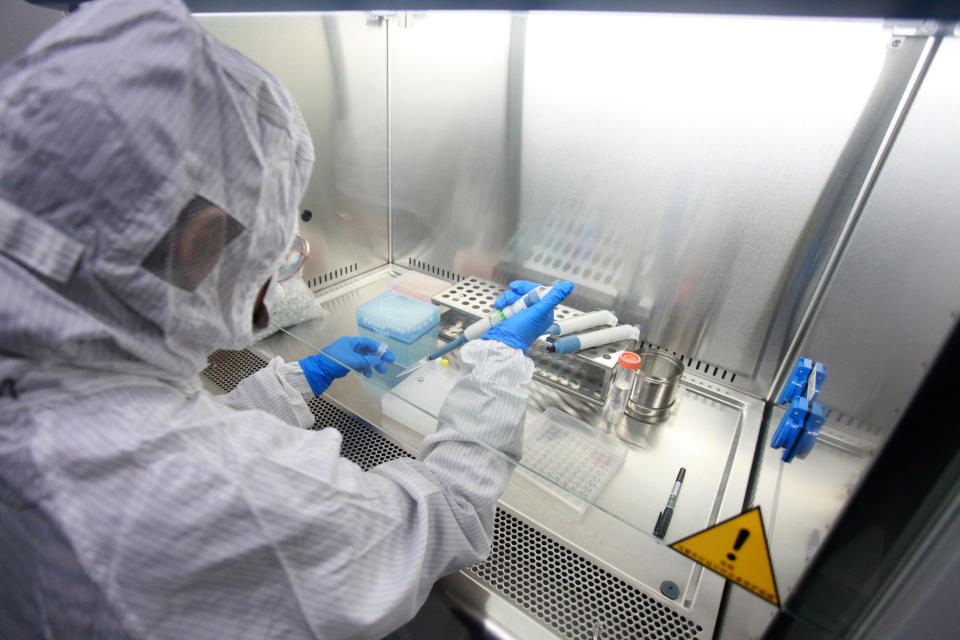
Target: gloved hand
517	289
359	354
521	330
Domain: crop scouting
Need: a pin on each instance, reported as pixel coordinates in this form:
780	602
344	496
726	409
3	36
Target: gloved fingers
369	348
518	289
363	368
523	329
364	345
523	286
556	295
506	299
375	363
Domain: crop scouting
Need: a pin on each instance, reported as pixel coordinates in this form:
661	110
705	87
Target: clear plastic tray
567	452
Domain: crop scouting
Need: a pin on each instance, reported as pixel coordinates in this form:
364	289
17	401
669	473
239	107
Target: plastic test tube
619	389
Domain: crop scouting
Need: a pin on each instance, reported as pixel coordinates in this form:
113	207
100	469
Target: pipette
582	323
572	344
483	325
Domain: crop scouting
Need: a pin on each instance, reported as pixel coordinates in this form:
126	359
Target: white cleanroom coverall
149	180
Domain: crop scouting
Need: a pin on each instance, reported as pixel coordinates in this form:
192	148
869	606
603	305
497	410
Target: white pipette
483	325
582	322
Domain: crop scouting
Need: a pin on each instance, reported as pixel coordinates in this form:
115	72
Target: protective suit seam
448	497
81	551
282	560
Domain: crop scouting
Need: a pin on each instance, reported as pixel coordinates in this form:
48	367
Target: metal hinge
906	28
402	19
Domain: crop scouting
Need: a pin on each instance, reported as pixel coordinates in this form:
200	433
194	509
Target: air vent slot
841	419
426	267
701	367
333	276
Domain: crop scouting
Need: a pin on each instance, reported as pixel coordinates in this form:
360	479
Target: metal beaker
654	390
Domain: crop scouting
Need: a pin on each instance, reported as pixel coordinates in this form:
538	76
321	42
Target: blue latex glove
517	289
357	353
521	330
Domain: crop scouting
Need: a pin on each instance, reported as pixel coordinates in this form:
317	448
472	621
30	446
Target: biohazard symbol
737	550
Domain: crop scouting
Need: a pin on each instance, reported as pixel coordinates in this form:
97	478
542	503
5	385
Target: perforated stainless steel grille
565	591
569	593
361	444
227	368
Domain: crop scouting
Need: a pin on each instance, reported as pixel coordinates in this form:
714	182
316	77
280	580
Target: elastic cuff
494	360
317	376
292	374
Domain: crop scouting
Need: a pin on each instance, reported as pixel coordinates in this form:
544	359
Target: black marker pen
663	520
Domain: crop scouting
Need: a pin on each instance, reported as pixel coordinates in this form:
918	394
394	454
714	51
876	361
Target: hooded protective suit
149	179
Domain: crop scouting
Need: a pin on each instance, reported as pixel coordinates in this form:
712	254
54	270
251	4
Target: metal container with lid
654	391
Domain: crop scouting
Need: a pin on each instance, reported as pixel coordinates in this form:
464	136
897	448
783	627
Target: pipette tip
412	368
450	346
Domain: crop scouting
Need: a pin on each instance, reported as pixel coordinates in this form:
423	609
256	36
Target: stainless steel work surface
712	433
530	586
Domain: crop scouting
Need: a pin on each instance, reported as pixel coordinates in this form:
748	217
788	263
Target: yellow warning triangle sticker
737	550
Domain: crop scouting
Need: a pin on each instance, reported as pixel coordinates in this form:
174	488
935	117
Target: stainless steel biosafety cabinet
751	189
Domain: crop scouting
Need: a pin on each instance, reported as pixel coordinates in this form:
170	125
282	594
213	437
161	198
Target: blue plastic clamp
800	381
798	429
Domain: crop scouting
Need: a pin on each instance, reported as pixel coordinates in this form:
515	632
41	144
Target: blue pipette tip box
409	326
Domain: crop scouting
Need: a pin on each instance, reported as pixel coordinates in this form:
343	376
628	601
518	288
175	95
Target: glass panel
691	172
880	338
615	525
678	169
335	66
686	171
